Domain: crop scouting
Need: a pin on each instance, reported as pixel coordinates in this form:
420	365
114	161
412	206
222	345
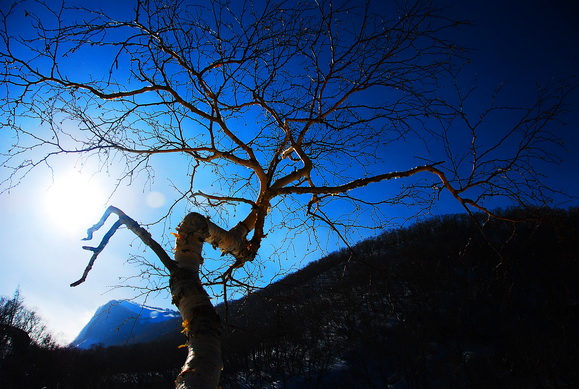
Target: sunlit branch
352	184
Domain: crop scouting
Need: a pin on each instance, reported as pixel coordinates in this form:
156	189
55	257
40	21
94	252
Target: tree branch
132	225
96	251
359	183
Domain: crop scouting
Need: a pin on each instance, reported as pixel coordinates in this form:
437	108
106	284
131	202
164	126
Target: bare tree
16	318
293	106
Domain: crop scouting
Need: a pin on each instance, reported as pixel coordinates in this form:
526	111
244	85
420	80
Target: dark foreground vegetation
441	304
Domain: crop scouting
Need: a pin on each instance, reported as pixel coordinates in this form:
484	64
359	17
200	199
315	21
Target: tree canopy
274	113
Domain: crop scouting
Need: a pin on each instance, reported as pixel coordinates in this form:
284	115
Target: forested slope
439	304
445	303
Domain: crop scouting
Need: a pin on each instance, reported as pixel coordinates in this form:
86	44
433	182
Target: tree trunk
202	328
201	323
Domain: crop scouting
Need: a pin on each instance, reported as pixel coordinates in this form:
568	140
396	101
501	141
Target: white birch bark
202	327
201	323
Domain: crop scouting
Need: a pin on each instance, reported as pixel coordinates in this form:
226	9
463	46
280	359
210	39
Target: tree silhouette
23	336
290	106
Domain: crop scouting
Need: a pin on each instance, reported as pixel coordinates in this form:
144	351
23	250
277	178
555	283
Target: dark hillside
440	304
435	305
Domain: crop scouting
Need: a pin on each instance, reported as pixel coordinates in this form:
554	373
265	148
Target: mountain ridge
121	322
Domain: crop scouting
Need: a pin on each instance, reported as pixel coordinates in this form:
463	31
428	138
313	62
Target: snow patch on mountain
120	322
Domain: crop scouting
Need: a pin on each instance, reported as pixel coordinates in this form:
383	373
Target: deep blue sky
517	42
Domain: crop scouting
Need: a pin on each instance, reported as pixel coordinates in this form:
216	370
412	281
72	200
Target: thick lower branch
431	168
196	229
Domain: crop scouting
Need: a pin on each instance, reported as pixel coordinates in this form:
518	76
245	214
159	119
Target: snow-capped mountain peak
120	322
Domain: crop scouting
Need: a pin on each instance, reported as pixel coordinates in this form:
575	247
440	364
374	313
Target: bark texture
201	324
202	327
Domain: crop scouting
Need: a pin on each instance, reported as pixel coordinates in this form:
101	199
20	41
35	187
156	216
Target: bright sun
74	202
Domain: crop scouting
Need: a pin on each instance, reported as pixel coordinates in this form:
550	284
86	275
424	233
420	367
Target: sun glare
74	202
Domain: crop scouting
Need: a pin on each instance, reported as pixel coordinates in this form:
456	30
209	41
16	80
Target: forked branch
132	225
